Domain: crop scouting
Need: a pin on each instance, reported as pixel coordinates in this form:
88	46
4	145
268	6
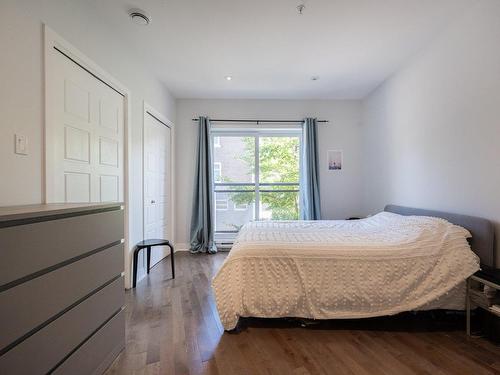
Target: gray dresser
61	288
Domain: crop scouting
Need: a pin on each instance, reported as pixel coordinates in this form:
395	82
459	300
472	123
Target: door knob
153	202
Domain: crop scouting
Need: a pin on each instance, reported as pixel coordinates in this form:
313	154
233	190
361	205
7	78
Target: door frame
149	110
51	41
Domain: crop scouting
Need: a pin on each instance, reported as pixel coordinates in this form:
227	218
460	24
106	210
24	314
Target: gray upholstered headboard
483	234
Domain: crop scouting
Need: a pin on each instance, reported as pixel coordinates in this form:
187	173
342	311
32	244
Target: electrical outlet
21	147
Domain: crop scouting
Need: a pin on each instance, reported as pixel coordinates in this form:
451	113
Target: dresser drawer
30	304
31	248
96	354
48	347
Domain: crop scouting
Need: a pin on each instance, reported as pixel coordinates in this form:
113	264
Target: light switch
21	144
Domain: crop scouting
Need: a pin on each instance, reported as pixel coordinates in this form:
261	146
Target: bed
402	259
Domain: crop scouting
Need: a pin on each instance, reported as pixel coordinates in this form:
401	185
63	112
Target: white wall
431	133
21	89
340	192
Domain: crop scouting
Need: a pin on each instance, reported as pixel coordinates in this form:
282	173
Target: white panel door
157	180
84	135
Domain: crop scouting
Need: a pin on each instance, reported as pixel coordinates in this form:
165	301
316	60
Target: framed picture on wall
334	160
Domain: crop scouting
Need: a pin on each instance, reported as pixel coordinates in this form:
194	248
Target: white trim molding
181	247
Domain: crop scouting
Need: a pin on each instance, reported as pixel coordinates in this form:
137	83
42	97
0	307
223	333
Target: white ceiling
271	51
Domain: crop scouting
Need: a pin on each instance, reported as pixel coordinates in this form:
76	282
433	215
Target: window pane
235	173
217	172
221	202
228	187
265	187
234	159
240	210
279	206
279	159
241	206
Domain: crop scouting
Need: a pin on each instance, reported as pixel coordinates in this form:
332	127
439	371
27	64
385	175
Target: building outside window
221	203
240	206
218	172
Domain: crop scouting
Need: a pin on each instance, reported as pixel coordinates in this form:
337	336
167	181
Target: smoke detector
139	17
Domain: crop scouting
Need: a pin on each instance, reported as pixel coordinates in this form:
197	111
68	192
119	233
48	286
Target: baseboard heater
224	246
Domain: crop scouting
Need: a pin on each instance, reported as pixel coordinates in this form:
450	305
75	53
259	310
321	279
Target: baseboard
181	247
185	247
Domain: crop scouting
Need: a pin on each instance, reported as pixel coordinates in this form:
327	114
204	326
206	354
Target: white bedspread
381	265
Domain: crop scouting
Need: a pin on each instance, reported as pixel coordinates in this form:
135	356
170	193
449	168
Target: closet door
84	143
157	182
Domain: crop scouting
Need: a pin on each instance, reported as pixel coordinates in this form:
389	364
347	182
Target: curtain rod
264	121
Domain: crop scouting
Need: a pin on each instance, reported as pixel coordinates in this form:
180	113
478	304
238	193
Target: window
216	142
241	206
261	177
221	204
218	172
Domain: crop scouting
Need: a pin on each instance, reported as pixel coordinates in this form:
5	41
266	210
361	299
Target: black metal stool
148	244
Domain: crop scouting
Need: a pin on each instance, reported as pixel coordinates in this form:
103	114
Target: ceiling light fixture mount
314	78
139	17
300	8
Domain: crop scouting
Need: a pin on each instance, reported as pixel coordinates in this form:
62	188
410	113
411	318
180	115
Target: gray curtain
310	208
202	219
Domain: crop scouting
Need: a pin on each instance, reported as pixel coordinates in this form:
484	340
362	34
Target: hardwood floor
173	328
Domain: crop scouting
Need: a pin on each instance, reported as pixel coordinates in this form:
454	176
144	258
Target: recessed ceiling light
314	78
228	78
139	17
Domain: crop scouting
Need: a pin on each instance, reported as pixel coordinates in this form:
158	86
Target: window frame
258	187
